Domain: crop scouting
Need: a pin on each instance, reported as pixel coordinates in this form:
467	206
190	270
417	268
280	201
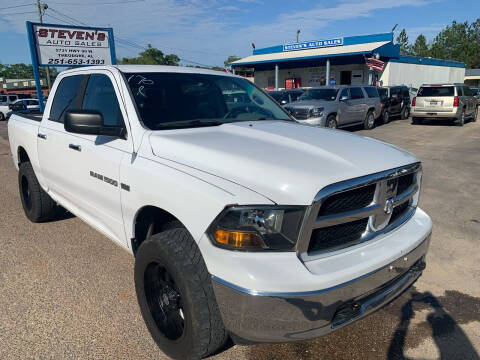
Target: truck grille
355	211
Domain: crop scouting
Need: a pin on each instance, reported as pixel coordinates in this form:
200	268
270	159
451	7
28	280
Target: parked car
476	93
285	96
243	222
337	106
412	92
444	102
26	106
395	102
7	100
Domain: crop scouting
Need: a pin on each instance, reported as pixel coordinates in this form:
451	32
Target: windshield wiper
190	124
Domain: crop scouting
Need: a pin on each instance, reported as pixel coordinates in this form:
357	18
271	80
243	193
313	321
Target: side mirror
90	122
283	102
344	98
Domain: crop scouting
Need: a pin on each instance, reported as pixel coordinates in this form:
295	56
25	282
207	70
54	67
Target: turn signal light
414	101
238	239
455	101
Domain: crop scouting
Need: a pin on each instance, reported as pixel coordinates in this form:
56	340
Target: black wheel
176	297
369	122
461	120
386	117
37	204
405	113
331	122
416	121
2	117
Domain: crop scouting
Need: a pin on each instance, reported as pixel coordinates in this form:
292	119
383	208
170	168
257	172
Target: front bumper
316	121
253	316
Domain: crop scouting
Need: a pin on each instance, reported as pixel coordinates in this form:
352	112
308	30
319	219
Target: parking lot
68	292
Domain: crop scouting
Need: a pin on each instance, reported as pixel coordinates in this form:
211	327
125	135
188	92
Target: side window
65	96
100	95
371	91
344	93
459	90
405	93
467	91
356	93
12	98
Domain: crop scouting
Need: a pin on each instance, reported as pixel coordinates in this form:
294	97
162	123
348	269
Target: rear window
371	92
436	91
356	93
383	93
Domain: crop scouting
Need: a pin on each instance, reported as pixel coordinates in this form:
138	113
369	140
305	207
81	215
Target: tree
152	56
24	71
420	48
230	59
402	40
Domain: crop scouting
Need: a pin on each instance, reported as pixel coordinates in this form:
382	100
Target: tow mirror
90	122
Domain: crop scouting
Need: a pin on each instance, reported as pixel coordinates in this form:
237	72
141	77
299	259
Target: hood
284	161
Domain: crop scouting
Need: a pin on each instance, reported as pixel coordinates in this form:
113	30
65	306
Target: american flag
375	64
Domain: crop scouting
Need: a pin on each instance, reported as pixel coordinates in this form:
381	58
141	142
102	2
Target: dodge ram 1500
243	223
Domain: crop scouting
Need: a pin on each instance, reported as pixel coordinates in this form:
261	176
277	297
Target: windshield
3	99
182	100
435	91
319	94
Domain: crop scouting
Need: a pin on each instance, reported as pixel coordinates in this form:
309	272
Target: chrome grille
355	211
299	113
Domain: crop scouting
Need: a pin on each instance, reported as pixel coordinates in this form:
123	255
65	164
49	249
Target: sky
206	32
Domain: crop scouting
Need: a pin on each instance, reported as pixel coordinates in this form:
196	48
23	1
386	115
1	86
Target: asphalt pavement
67	292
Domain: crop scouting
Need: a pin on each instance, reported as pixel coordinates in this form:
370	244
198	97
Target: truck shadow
62	214
413	324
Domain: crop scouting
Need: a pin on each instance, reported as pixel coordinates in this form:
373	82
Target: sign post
68	46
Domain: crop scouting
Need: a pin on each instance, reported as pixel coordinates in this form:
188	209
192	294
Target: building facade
368	59
21	86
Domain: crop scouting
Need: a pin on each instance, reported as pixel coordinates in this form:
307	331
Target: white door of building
357	77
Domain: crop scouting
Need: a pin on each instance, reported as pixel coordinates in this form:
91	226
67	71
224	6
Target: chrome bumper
252	316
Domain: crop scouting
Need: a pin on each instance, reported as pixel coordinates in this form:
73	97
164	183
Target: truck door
95	180
345	108
359	105
52	141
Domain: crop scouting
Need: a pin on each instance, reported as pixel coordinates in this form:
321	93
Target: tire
37	204
2	116
369	122
475	115
331	122
461	120
386	117
416	121
170	267
405	113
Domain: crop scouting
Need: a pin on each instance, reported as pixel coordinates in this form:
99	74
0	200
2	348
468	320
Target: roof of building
10	84
339	50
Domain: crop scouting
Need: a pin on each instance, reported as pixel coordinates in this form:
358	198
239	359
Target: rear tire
37	204
475	115
369	122
461	120
405	113
176	298
386	117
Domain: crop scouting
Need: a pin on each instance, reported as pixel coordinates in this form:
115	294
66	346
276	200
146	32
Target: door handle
42	136
75	147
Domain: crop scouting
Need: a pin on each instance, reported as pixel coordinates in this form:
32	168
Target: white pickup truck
243	223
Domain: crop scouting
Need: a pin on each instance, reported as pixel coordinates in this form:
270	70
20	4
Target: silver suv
337	106
444	102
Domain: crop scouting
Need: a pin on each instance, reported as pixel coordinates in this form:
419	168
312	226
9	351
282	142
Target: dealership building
352	60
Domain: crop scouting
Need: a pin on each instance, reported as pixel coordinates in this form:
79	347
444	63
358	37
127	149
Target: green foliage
152	56
24	71
230	59
457	42
402	40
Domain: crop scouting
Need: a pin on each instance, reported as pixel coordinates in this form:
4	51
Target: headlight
257	227
317	112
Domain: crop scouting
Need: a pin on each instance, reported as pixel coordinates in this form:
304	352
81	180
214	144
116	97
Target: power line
98	3
16	6
20	13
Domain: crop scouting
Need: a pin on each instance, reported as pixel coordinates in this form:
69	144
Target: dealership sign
59	45
68	46
313	44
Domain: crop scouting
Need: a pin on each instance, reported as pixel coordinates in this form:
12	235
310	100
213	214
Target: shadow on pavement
450	340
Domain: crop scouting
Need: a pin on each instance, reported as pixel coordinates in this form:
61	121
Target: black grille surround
351	212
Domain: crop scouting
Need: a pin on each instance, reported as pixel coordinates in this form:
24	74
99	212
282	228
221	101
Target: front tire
369	122
386	117
475	115
461	121
331	122
37	204
176	298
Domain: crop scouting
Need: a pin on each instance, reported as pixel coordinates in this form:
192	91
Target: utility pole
40	18
298	33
